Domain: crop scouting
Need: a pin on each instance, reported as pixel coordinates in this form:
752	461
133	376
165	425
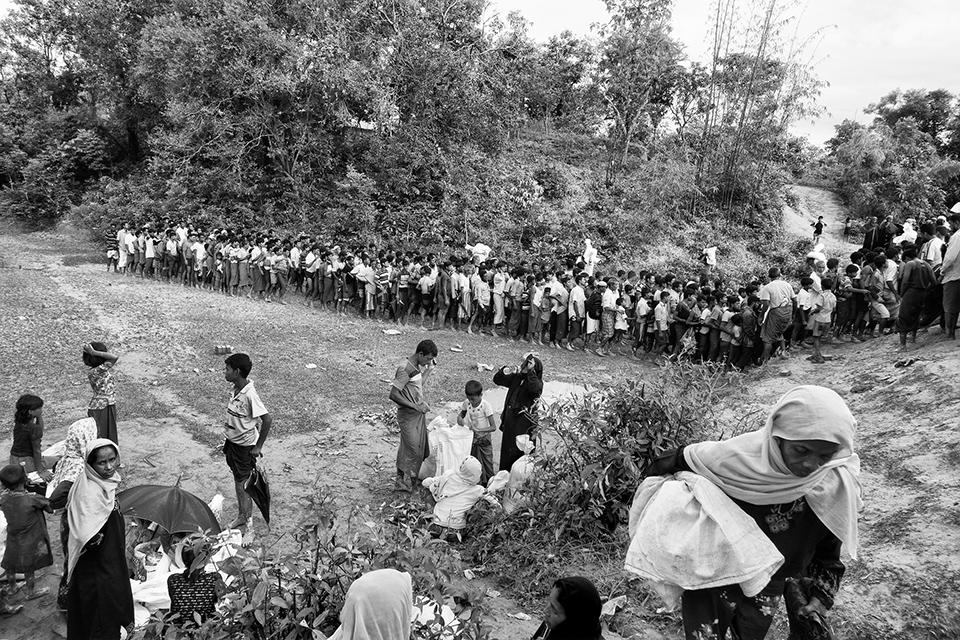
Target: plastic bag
449	445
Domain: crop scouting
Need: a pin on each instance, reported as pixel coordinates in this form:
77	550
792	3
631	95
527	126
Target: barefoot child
477	414
822	316
28	543
103	405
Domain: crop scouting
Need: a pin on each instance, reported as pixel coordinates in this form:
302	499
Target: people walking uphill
103	404
407	392
797	480
245	430
524	386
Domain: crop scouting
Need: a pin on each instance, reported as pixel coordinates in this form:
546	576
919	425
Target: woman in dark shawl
573	612
99	600
524	384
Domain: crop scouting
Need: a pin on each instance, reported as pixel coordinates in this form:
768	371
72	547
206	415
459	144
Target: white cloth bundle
685	533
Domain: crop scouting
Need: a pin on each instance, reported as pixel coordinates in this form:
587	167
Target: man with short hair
245	430
407	393
777	301
950	277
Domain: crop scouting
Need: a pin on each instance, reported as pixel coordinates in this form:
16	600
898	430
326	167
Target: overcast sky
870	47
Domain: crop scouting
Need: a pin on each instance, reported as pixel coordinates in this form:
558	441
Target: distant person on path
778	301
245	430
99	600
846	229
573	611
798	479
818	229
103	404
524	387
590	257
407	393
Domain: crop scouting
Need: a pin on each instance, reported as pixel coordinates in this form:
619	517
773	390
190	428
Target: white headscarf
91	500
379	606
70	466
750	467
456	482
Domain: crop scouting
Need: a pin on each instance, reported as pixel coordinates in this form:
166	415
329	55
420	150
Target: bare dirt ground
55	295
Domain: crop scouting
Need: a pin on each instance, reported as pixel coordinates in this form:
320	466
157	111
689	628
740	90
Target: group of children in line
560	304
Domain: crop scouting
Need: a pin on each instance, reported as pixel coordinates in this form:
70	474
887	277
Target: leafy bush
552	182
580	495
298	595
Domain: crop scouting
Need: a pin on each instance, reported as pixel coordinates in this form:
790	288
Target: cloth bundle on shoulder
685	533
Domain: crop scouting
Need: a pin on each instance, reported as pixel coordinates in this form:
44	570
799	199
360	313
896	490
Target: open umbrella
172	508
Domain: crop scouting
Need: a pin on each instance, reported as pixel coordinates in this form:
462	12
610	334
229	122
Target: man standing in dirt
777	301
245	430
407	393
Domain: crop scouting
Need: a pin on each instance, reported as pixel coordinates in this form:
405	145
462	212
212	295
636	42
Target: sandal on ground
38	593
9	609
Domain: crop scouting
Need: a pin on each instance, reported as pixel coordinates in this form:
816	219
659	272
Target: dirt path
815	202
329	431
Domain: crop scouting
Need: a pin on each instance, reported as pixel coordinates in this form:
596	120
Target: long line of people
566	302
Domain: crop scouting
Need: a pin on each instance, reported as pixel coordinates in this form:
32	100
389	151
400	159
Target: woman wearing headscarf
456	491
797	477
572	613
68	469
379	606
524	386
99	601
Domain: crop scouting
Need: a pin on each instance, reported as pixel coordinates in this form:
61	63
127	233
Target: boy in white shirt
822	314
477	414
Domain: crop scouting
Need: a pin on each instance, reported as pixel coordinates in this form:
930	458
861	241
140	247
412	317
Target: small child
620	324
822	316
661	321
27	436
28	543
477	414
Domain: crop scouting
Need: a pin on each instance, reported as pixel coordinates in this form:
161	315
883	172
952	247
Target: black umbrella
172	508
256	485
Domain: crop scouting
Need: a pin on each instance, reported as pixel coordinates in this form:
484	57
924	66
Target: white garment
685	533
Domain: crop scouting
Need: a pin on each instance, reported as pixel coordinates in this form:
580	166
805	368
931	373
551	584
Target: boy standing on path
247	426
407	393
817	229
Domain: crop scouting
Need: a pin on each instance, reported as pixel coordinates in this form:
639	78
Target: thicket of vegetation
421	121
906	163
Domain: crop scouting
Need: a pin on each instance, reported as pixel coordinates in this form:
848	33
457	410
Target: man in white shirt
777	303
576	308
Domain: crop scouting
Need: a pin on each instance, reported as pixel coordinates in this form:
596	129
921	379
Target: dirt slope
171	392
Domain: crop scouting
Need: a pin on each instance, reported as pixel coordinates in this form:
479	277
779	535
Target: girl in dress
28	543
103	405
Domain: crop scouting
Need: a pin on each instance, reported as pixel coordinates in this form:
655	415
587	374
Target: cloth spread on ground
750	467
379	606
685	533
91	501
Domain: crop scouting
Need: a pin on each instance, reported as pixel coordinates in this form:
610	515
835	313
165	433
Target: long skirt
234	274
512	424
99	600
911	307
244	277
414	447
775	324
106	420
708	614
327	289
951	297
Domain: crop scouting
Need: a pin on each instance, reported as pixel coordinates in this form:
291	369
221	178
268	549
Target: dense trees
906	163
418	120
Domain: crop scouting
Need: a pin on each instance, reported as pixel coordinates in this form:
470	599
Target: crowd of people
904	278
